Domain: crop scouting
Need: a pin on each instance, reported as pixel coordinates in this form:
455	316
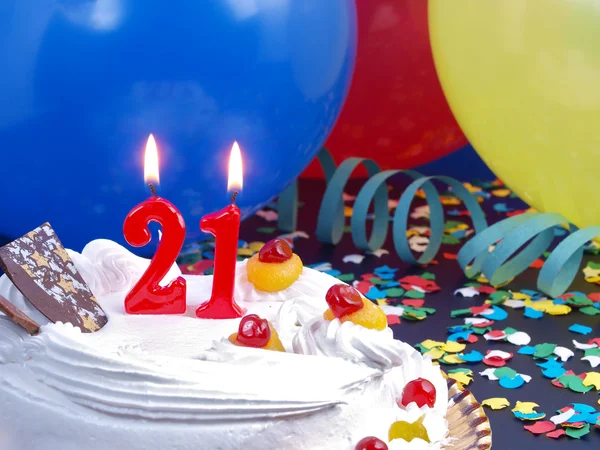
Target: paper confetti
512	383
580	329
556	433
544	350
356	259
581	346
574	383
519	338
496	403
540	427
380	252
525	407
533	313
473	356
268	215
563	353
592	379
497	314
593	360
467	292
463	376
453	347
578	433
563	417
489	373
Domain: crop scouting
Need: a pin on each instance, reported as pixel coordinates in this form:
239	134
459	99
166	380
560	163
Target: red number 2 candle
147	296
225	226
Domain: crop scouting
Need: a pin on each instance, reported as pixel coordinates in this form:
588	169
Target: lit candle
225	226
147	296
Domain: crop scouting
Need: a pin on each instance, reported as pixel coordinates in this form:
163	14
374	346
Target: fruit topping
409	431
275	251
420	391
371	443
343	300
254	331
273	276
258	333
348	305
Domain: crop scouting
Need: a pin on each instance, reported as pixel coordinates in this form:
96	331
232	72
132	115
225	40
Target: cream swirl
177	389
310	283
415	365
109	267
11	338
294	314
352	342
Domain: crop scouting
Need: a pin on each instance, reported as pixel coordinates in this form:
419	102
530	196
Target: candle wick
233	196
152	189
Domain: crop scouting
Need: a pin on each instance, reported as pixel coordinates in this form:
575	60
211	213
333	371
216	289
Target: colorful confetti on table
510	345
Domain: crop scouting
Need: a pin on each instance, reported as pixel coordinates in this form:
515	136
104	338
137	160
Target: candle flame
151	173
235	180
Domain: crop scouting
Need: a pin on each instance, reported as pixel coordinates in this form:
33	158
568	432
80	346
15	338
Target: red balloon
395	112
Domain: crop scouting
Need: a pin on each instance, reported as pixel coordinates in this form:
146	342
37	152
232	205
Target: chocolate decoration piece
40	267
19	317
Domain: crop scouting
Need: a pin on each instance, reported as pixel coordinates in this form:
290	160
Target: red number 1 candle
147	296
225	226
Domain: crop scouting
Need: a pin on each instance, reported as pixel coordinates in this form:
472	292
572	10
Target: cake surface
174	382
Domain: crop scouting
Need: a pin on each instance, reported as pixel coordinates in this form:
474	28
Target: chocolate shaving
19	317
40	267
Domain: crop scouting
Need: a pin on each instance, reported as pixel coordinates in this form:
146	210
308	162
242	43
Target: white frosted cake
176	382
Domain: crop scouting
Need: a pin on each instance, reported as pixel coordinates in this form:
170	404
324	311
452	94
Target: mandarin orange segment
274	343
369	316
328	315
273	277
409	431
233	339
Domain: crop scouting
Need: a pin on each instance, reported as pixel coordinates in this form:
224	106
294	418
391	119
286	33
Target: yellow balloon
523	80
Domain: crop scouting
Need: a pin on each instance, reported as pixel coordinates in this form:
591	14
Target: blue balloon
84	82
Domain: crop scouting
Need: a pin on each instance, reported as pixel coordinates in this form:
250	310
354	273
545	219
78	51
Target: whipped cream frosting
399	362
346	340
175	382
296	313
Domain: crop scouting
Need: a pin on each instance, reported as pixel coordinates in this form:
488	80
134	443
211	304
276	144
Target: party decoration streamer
499	265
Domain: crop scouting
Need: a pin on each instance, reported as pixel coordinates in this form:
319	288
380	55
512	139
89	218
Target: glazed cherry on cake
275	251
371	443
420	391
343	300
258	333
275	267
348	305
254	331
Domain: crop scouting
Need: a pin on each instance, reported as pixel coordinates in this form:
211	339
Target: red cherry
343	300
371	443
420	391
254	331
275	251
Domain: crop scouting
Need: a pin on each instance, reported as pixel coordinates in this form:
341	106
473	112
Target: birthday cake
311	365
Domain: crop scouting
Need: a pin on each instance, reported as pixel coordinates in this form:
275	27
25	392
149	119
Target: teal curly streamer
533	231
